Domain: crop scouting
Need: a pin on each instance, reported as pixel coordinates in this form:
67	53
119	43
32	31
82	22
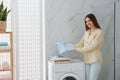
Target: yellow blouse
90	46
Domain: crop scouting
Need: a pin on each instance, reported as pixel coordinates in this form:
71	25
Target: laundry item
64	47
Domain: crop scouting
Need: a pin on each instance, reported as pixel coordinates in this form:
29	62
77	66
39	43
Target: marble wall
64	21
105	16
117	40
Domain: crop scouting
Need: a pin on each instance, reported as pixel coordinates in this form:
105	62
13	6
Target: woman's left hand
74	50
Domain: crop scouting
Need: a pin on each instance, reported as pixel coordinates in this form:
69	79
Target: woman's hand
74	50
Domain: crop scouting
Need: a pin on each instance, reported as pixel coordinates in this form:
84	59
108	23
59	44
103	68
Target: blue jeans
92	71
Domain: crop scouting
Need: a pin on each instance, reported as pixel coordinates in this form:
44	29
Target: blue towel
64	47
3	44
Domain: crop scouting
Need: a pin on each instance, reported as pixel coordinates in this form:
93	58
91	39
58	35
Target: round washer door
70	76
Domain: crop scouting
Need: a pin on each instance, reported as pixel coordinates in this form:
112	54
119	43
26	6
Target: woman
89	46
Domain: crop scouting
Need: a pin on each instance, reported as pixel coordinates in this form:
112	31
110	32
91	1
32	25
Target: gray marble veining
65	22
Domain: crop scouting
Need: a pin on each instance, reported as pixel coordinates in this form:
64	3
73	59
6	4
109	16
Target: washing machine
74	70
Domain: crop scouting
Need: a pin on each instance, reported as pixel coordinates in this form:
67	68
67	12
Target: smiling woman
89	46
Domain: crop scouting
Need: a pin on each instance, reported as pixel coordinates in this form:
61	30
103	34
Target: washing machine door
70	76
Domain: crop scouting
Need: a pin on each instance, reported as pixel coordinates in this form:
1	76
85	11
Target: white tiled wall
28	39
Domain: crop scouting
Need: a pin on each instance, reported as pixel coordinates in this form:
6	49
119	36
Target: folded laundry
3	44
59	58
64	47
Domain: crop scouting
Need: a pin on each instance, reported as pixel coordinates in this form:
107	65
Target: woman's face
89	23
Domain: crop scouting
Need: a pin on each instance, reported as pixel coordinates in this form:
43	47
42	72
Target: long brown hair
93	19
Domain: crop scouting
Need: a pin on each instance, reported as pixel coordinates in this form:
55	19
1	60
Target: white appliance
75	70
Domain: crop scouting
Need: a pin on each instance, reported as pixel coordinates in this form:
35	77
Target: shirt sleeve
97	41
81	43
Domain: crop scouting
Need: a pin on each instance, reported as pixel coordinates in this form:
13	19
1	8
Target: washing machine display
75	70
